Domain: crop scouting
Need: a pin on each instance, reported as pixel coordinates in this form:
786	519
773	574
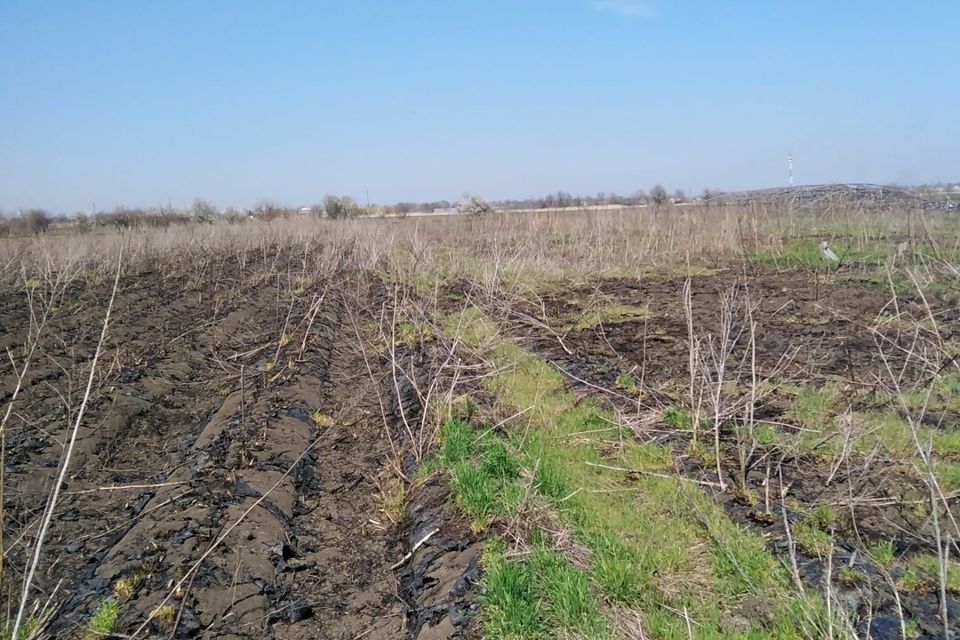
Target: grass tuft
483	472
475	491
103	622
883	553
511	606
549	480
27	629
126	587
165	616
457	438
615	568
626	382
570	603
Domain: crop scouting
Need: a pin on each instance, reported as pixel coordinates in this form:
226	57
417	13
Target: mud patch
441	575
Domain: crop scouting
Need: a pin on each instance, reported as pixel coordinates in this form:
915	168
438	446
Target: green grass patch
103	622
926	568
611	314
126	587
813	407
626	382
549	479
812	535
471	325
912	628
657	543
895	437
647	456
27	628
804	253
476	493
678	418
892	432
948	387
427	468
948	475
764	434
457	441
883	553
946	443
819	412
616	567
849	576
910	579
811	539
823	516
483	472
511	605
569	601
406	333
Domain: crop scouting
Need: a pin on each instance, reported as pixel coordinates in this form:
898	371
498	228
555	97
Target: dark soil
212	440
228	438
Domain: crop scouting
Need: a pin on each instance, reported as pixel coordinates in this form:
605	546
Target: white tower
790	167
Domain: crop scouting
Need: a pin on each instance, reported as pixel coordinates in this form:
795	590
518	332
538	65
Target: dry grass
556	244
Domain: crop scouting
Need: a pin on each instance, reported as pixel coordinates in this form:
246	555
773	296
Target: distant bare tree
234	216
658	194
38	221
268	210
121	217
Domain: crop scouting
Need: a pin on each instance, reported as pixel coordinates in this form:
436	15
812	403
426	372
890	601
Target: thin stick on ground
413	550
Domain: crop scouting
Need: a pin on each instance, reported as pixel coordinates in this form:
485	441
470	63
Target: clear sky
145	103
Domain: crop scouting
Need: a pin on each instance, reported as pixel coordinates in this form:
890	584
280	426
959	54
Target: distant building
305	210
446	210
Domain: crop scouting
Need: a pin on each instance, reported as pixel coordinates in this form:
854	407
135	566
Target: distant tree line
39	221
31	222
657	195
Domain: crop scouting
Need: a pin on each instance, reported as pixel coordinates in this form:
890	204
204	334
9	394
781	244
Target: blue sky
144	103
